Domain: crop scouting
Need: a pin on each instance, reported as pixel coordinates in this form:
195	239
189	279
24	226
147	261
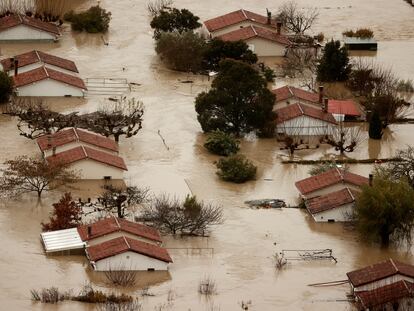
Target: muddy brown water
243	246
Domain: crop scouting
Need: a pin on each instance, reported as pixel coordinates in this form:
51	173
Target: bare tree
342	138
405	167
296	19
154	7
24	174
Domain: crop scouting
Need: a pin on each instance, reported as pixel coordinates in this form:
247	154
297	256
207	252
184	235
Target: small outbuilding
355	43
35	59
59	241
44	81
330	181
288	95
124	253
90	163
344	110
337	206
18	27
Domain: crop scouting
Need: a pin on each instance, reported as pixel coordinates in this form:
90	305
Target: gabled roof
81	153
114	224
297	110
236	17
330	201
70	135
385	294
286	92
250	32
329	178
43	73
346	107
123	244
35	56
379	271
14	20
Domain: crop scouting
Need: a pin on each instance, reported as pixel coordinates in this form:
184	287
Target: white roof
62	240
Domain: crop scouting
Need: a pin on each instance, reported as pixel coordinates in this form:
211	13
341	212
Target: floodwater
238	255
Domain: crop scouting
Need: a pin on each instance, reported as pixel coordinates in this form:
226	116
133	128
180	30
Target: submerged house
332	207
330	181
356	43
19	27
35	59
343	110
288	95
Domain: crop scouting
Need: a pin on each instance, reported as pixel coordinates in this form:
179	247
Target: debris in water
266	203
308	254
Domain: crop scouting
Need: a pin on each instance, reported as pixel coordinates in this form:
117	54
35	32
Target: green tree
181	51
236	168
222	143
375	126
174	20
238	101
6	87
385	211
334	64
94	20
218	50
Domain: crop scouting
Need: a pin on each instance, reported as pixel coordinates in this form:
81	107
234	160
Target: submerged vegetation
93	20
221	143
236	168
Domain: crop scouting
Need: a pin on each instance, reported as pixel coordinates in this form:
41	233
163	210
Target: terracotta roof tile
329	178
296	110
235	18
385	294
113	224
346	107
379	271
67	136
43	73
123	244
286	92
33	57
250	32
80	153
17	19
330	201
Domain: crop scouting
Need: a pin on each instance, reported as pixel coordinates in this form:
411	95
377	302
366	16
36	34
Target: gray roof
356	40
62	240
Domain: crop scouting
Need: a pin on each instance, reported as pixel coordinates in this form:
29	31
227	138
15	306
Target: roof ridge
117	222
46	72
129	246
290	91
349	191
244	13
254	30
84	151
300	108
38	56
341	175
393	264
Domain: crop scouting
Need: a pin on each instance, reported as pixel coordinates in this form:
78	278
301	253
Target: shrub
222	143
365	33
6	87
236	168
121	277
207	286
94	20
320	37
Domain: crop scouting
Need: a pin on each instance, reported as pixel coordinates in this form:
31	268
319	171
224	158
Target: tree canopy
66	214
334	64
94	20
238	101
375	126
295	19
405	167
385	210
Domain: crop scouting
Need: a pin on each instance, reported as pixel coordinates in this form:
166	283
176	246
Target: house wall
118	234
25	33
40	64
330	189
263	47
340	214
90	169
383	282
287	102
49	87
130	261
242	24
304	126
75	144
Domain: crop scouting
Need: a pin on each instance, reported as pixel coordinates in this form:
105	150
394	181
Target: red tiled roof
296	110
67	136
43	73
286	92
33	57
385	294
80	153
250	32
235	18
379	271
123	244
346	107
113	224
17	19
330	201
329	178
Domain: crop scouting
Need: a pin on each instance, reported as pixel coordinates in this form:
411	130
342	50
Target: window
107	177
150	269
331	220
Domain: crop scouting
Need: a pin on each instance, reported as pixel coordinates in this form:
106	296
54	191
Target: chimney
371	179
279	28
89	231
16	66
49	142
269	17
54	151
321	94
325	105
